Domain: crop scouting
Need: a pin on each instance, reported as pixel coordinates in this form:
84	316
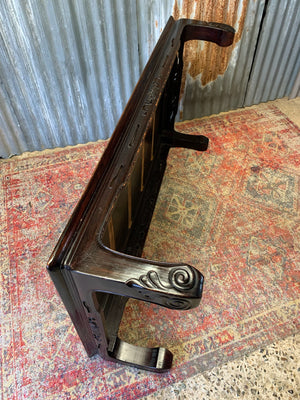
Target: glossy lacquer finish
96	265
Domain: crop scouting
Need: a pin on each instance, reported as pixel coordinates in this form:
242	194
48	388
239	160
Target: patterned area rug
232	212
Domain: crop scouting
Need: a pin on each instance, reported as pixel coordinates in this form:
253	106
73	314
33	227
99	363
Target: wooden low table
96	265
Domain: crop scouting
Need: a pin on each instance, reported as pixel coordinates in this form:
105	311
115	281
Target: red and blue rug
232	212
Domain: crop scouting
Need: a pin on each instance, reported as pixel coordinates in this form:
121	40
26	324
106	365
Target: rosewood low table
96	265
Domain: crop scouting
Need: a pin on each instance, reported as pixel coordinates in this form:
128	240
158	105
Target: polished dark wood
97	265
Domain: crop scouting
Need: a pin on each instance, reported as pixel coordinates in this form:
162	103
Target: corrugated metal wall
277	59
67	70
68	67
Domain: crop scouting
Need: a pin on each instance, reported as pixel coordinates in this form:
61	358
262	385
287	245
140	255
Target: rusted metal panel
216	79
206	60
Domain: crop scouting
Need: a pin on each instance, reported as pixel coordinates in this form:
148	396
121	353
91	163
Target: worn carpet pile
232	212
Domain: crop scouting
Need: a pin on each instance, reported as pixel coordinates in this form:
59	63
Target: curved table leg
156	359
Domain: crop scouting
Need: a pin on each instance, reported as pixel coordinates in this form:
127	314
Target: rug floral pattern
232	212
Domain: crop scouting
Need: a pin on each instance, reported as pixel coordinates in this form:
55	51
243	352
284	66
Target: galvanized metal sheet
277	59
67	70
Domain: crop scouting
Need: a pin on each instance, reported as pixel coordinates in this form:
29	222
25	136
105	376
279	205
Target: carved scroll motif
179	278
